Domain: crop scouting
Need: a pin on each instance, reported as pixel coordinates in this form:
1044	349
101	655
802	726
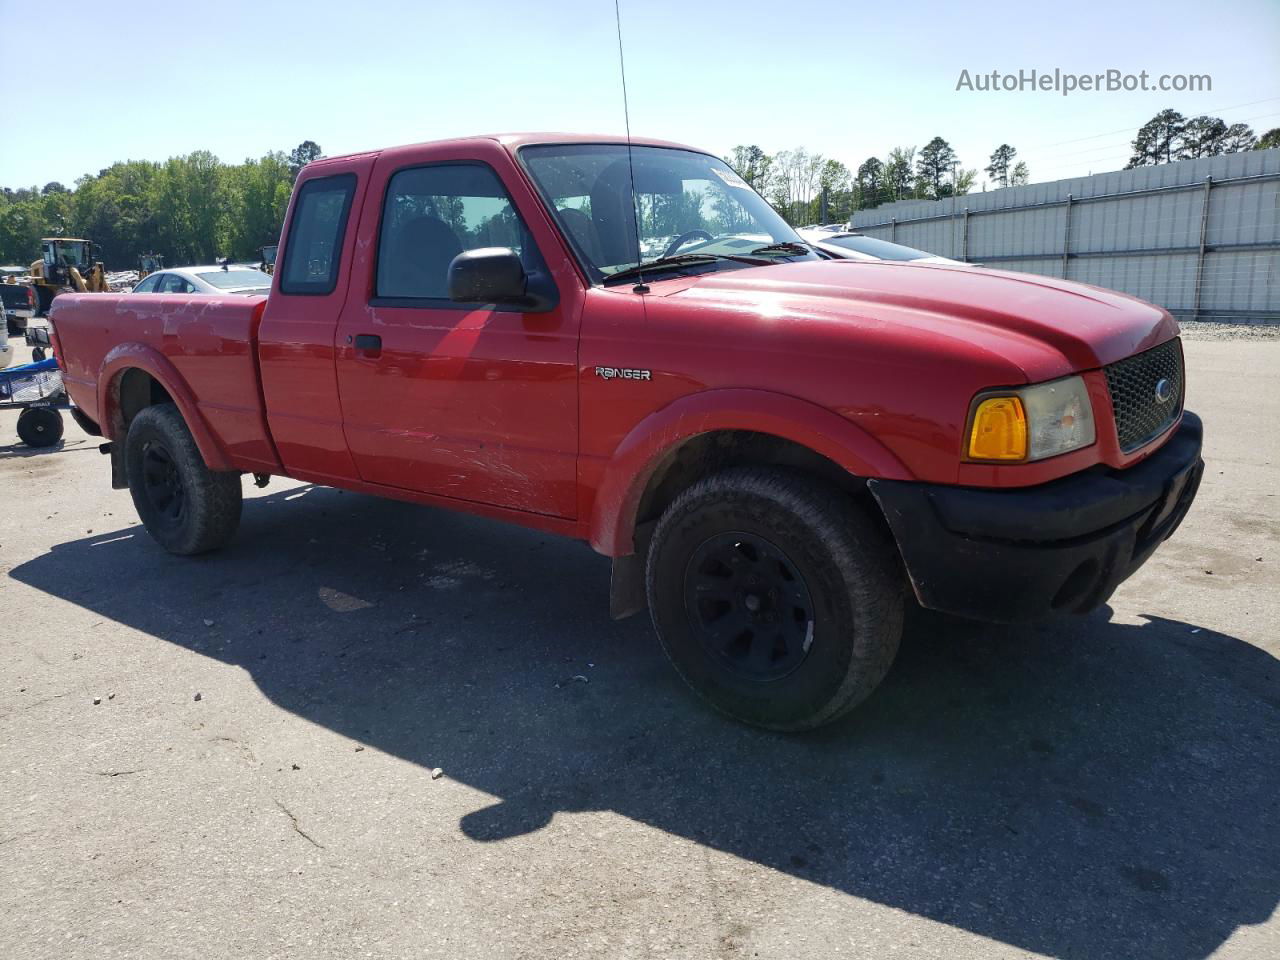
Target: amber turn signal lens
999	430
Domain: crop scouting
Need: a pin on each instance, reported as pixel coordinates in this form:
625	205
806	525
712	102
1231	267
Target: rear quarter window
316	230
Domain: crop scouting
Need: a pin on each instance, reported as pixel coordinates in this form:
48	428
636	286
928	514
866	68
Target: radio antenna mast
640	287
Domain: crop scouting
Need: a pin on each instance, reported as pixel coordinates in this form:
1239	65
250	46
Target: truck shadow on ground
1086	789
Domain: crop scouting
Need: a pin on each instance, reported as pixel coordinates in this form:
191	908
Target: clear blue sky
845	79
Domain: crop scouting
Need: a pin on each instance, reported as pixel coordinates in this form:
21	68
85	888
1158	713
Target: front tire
775	597
186	507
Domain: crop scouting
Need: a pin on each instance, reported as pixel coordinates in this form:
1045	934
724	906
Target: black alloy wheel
749	605
162	484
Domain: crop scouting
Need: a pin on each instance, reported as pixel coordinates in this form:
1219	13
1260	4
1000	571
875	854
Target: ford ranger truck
623	343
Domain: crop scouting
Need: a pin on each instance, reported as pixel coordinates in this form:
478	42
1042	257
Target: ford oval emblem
1164	390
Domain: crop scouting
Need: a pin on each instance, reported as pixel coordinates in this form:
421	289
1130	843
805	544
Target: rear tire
40	426
186	507
775	597
37	354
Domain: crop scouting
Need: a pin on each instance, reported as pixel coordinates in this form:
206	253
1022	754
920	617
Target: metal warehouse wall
1199	237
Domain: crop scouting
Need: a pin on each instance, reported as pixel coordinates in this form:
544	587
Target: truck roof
514	141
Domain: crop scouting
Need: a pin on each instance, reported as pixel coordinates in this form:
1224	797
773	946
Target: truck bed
202	349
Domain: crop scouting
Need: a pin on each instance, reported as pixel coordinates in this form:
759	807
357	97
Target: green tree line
1169	136
190	209
809	188
194	208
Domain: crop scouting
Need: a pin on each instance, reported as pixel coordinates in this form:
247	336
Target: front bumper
1024	554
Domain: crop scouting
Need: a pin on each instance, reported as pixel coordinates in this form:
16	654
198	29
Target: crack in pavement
35	703
297	829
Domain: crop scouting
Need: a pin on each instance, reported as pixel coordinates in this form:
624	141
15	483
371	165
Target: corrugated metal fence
1199	237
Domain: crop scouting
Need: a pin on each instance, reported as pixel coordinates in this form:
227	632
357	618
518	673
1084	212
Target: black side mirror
487	275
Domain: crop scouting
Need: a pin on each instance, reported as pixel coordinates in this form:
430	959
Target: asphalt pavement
369	729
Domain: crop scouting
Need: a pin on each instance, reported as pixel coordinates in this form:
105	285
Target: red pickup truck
625	344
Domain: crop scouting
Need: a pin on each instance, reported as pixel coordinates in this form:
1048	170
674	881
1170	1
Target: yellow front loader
66	265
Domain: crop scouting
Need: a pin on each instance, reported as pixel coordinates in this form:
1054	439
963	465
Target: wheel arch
135	376
707	432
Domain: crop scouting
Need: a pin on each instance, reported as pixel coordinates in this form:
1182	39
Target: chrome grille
1134	382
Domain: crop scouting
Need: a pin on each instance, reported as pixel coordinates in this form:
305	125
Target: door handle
369	343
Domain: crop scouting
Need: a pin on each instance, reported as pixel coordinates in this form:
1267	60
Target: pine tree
1001	162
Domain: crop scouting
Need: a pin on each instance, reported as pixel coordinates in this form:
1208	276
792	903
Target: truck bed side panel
209	341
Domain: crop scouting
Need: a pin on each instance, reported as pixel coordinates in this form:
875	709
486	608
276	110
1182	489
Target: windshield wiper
667	264
785	246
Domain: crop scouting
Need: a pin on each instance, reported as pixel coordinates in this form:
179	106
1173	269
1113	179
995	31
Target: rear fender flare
641	452
139	356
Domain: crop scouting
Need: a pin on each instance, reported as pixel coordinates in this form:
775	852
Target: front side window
314	245
432	214
148	285
684	203
172	283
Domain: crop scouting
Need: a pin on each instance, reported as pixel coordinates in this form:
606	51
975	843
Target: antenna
640	287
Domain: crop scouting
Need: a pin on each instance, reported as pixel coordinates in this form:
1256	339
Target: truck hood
1016	314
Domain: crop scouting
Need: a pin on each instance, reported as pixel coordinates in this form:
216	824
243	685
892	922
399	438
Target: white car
6	351
218	279
847	245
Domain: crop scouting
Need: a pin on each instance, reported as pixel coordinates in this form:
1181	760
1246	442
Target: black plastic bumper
1026	553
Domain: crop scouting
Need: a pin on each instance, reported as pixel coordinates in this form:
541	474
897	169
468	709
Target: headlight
1031	423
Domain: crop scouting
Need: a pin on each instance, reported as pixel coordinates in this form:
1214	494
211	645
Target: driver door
474	402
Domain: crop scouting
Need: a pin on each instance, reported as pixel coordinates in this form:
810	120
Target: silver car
218	279
847	245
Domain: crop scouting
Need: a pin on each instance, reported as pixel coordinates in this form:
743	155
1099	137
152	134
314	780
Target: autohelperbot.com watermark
1065	83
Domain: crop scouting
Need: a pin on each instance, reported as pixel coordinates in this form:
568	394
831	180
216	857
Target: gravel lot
1209	330
372	729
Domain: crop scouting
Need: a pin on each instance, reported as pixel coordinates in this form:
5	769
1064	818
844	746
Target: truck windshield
685	203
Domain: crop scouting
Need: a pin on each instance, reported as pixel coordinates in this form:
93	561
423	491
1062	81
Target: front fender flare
148	359
641	451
